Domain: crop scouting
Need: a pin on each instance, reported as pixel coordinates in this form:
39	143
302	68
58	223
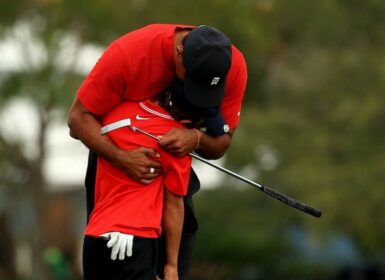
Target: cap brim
202	96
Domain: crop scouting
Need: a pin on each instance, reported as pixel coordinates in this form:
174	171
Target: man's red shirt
140	65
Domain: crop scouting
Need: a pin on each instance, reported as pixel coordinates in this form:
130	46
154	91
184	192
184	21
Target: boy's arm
172	222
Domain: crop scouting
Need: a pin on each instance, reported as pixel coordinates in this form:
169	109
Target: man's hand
180	141
120	243
138	164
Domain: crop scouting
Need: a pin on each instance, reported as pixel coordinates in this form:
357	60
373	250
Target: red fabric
140	65
235	89
122	204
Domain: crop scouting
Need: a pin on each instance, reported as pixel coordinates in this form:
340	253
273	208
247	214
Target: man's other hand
180	141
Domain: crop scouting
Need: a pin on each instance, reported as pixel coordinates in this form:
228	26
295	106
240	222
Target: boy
130	209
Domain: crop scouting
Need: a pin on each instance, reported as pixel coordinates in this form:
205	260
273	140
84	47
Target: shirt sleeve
104	87
235	89
177	173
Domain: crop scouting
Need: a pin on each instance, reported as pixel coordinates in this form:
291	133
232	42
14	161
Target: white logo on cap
226	128
215	81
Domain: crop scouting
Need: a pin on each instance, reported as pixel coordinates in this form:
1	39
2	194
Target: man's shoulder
238	69
147	35
237	55
168	25
159	28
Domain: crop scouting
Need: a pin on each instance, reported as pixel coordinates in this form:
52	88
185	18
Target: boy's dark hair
175	102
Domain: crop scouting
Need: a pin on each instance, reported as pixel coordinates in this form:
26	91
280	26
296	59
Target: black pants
97	263
190	225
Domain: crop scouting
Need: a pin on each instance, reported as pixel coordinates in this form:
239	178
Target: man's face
185	117
181	109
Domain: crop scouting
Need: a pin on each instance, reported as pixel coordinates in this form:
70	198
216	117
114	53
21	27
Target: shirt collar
155	109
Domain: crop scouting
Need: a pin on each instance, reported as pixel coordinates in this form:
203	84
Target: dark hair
176	103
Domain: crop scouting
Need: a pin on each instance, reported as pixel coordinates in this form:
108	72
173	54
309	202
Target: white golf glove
120	243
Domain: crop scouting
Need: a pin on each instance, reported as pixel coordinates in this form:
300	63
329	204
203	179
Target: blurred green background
312	127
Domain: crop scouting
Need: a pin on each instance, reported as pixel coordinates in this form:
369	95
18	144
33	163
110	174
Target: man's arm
172	222
85	127
181	141
214	147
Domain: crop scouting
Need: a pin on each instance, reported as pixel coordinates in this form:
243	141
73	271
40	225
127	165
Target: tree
46	83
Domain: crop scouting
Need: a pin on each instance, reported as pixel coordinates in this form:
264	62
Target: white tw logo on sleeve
215	81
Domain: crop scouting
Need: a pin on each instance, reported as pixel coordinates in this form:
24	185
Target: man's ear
179	50
179	68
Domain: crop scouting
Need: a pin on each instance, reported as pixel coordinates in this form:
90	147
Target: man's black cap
207	60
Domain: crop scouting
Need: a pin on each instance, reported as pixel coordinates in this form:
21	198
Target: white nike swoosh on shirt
139	118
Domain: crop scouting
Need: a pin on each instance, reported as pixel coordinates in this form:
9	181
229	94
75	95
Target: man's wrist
116	157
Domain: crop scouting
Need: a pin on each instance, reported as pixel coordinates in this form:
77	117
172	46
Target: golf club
273	193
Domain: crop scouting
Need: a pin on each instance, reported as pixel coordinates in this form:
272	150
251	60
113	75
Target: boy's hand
120	243
170	272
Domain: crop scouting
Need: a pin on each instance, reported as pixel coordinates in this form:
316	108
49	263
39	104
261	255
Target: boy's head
182	110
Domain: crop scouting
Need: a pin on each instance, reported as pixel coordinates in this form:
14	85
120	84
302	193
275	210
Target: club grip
291	202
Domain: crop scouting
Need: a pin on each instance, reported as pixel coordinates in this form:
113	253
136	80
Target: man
143	63
124	208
